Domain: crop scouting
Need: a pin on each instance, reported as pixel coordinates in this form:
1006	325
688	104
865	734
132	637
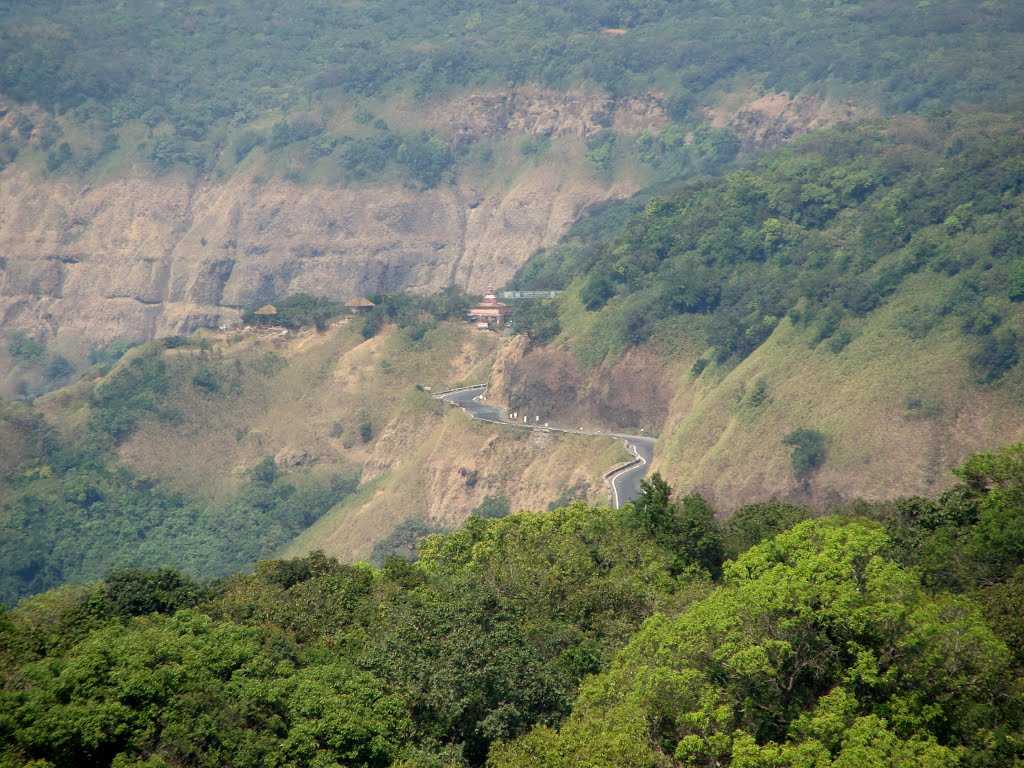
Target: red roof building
490	313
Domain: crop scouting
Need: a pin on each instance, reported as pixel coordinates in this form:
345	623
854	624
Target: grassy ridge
895	412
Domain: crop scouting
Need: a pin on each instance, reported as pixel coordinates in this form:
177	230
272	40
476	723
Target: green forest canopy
882	634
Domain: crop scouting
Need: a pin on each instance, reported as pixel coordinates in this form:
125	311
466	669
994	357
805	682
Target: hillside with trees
239	528
194	73
879	634
823	233
851	301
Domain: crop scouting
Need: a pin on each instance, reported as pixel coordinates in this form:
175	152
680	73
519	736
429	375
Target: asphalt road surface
625	481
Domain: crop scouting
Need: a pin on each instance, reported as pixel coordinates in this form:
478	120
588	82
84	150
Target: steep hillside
238	152
328	392
857	295
896	414
210	452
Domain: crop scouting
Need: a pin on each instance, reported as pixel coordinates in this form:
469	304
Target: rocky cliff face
143	256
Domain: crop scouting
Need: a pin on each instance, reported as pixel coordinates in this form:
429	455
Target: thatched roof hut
359	305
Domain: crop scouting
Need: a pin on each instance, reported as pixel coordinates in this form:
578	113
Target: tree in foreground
817	651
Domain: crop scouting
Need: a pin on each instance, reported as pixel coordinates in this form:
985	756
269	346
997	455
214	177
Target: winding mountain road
624	480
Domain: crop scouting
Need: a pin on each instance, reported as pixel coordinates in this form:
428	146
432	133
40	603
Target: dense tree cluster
328	664
808	451
822	232
416	315
881	634
538	320
37	370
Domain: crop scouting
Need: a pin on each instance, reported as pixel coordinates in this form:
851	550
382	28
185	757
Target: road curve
624	480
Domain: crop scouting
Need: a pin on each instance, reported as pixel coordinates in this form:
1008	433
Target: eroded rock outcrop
501	384
540	112
632	392
769	120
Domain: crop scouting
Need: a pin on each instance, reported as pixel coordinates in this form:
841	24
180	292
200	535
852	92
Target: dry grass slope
897	413
334	402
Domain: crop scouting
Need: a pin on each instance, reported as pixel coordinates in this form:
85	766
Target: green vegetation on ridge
70	510
824	232
73	513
